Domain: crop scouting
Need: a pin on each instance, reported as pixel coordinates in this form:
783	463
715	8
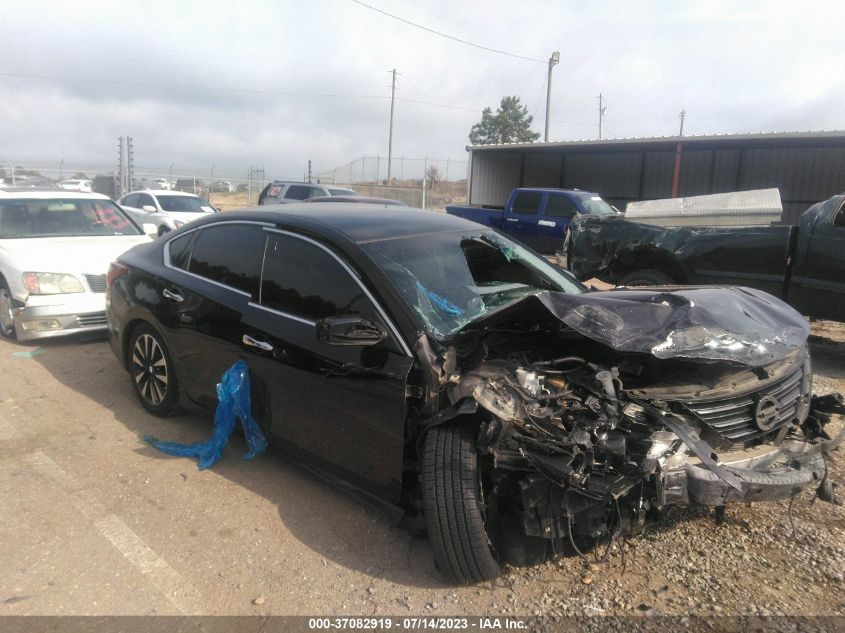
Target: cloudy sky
225	85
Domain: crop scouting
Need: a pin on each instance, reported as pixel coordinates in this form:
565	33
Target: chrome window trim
352	273
166	253
287	315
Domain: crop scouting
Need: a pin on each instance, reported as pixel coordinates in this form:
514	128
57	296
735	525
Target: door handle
512	219
262	345
173	296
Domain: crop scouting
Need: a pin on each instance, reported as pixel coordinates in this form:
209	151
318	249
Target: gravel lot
96	522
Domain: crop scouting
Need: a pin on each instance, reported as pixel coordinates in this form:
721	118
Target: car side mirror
148	208
150	229
349	329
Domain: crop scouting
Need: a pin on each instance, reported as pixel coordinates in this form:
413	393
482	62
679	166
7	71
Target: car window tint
839	220
303	280
131	200
527	202
229	254
314	192
180	250
298	192
144	199
560	207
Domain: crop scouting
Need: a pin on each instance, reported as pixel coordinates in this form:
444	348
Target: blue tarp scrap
440	302
233	403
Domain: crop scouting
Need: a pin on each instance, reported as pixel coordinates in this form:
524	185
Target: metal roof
707	138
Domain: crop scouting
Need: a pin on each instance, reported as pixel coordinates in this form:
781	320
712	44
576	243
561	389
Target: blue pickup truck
537	217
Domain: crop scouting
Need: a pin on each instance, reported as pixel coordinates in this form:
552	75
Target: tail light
116	271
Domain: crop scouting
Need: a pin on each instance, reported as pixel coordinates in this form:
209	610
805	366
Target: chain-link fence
417	182
228	187
402	168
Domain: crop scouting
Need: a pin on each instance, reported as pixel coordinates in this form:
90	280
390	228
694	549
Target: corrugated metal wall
806	172
494	175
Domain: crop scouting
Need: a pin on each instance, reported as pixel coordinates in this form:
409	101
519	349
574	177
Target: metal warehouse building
806	166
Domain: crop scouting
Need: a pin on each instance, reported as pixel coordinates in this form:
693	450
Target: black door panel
339	405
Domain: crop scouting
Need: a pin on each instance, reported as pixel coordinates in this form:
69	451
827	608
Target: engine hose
572	540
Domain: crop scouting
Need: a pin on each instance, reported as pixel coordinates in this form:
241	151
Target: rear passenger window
527	202
180	250
560	207
303	280
298	192
229	254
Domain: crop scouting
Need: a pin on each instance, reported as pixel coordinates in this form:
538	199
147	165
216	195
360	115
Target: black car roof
359	223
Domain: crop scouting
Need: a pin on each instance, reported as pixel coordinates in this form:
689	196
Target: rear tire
646	277
152	372
7	321
452	502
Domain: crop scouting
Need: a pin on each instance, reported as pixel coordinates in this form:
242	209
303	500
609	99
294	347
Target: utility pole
390	138
683	115
121	182
553	60
130	163
309	170
602	110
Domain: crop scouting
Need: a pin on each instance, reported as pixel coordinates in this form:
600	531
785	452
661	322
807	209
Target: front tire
163	230
452	504
7	320
152	372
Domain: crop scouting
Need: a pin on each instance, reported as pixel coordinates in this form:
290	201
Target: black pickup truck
804	264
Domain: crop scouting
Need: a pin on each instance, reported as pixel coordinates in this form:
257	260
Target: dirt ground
94	521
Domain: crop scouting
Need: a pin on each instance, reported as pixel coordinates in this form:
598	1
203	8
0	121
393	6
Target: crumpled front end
582	448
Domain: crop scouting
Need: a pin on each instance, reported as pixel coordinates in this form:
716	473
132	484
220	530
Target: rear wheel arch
649	259
126	338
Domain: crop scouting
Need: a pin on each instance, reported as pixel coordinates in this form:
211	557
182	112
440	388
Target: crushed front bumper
40	319
774	475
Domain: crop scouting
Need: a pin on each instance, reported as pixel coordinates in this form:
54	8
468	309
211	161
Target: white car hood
67	254
184	216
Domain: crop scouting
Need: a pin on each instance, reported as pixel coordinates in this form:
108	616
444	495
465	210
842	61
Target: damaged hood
738	325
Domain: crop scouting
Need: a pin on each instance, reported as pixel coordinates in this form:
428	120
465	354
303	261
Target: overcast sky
202	84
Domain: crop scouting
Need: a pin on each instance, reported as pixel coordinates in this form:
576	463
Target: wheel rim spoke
150	370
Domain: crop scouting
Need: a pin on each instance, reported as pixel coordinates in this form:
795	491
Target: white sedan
55	251
84	186
168	210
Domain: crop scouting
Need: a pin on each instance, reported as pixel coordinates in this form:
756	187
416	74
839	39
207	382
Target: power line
120	82
441	105
449	37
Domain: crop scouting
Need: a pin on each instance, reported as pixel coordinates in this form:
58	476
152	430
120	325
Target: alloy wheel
149	369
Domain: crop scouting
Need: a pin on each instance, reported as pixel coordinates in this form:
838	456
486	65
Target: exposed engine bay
580	442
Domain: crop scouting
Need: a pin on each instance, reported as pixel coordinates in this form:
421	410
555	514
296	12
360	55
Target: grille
92	320
97	283
733	420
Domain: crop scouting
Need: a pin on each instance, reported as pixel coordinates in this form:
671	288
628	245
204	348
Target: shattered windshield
452	279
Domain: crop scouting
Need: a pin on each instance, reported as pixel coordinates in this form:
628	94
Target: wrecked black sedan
438	367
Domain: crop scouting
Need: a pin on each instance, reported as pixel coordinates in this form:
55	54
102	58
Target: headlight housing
178	223
51	283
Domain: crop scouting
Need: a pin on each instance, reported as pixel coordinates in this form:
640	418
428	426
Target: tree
80	176
432	175
510	124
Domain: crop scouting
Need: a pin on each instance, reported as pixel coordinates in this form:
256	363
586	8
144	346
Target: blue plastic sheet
440	302
233	403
